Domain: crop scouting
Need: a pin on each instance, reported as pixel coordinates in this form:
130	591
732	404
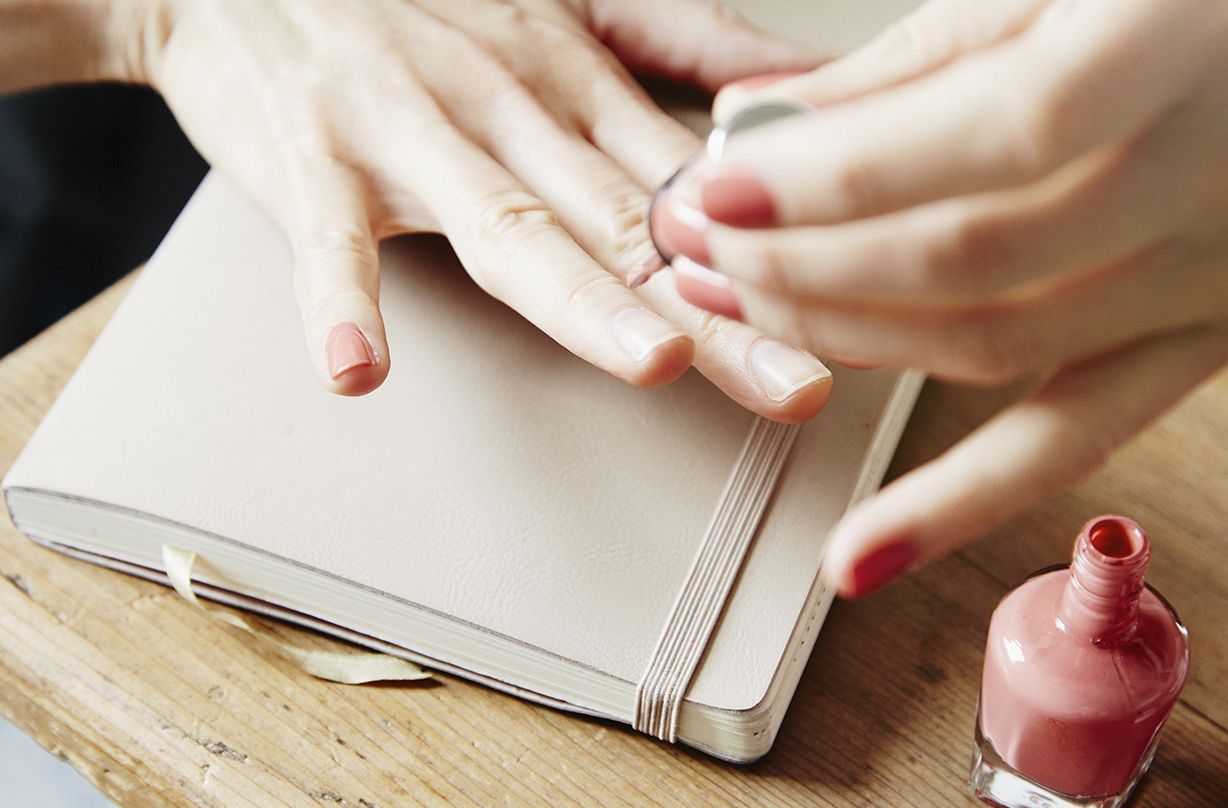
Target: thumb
336	279
699	42
933	35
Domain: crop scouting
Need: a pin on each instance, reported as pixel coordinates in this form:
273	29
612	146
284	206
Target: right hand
508	127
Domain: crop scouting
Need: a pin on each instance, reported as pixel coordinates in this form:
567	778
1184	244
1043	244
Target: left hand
990	191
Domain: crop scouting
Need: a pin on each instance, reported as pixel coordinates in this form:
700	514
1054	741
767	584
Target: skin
992	192
513	128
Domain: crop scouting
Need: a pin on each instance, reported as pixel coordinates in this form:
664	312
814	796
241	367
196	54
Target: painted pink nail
881	566
347	348
645	270
680	229
738	200
707	289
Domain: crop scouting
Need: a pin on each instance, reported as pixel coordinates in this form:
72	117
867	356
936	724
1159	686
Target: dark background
90	180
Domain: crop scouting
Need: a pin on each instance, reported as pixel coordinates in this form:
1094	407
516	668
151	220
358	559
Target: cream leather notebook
498	510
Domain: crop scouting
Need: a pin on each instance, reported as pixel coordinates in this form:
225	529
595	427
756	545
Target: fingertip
355	359
666	363
870	549
659	351
359	381
804	403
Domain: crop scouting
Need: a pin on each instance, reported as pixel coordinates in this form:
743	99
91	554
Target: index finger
994	119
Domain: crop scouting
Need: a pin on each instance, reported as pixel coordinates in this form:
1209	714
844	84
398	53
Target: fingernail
347	348
763	80
881	566
645	269
639	332
707	289
739	200
783	370
679	228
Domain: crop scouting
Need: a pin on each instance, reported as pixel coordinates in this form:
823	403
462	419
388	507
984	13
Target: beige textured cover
495	478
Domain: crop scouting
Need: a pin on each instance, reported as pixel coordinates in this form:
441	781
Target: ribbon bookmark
347	667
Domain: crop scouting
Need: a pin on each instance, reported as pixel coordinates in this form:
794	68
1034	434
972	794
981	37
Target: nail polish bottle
1083	665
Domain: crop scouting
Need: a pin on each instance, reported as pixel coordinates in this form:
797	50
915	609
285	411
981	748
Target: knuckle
773	267
975	251
626	226
336	248
906	39
725	14
1040	126
586	291
513	214
330	303
993	351
860	189
557	36
707	327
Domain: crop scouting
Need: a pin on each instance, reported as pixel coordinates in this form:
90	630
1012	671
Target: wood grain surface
158	704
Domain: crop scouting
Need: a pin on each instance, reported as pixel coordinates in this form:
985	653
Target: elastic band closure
659	695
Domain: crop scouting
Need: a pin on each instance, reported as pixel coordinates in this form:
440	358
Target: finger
617	116
557	66
695	41
1168	288
1025	454
605	211
916	44
513	246
336	279
967	250
767	376
965	133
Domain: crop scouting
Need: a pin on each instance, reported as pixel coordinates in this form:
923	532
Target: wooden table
158	704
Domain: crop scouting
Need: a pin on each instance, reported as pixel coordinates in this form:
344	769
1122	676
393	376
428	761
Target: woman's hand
990	191
515	128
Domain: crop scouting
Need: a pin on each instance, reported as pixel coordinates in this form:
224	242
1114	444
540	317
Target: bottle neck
1100	602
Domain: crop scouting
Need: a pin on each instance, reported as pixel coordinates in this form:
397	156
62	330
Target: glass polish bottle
1082	666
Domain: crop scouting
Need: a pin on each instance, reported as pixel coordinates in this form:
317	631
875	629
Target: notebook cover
494	478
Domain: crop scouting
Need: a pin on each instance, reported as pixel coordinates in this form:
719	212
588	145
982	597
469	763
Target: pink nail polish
347	348
679	229
1083	665
676	221
880	567
707	289
738	200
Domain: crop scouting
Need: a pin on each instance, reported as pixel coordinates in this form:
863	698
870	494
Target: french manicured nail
881	566
739	200
347	348
639	332
707	289
680	228
784	370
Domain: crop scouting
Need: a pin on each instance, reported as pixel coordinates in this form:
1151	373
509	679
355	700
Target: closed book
498	509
